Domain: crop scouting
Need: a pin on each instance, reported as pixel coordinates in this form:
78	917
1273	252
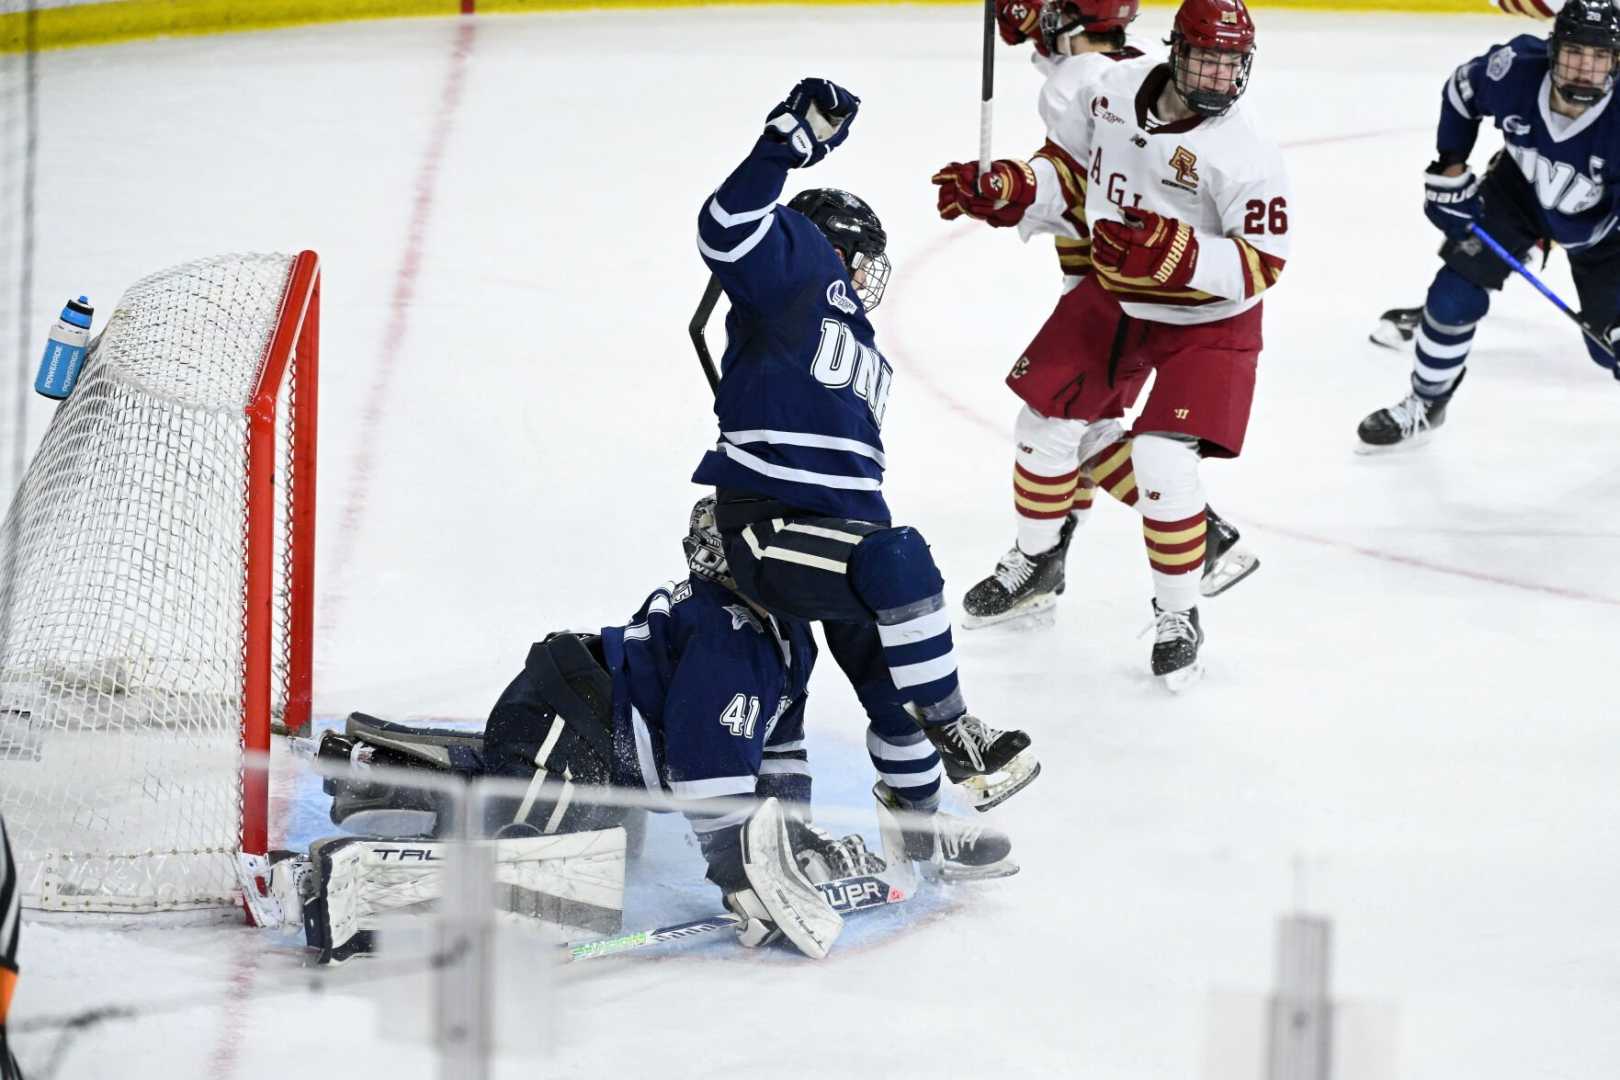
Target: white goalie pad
574	881
796	906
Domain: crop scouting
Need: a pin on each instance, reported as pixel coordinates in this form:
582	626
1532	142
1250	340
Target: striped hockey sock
1176	555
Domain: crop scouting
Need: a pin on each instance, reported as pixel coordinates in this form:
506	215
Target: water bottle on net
64	350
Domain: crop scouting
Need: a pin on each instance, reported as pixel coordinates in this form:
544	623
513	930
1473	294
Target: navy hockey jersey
802	386
708	700
1573	165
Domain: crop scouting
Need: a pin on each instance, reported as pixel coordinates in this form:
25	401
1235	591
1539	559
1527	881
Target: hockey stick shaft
987	84
1507	256
700	320
845	894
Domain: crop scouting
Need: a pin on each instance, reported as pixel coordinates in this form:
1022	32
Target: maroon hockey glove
1020	20
1000	197
1146	251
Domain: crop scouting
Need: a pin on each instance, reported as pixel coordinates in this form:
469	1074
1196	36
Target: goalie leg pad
575	881
793	903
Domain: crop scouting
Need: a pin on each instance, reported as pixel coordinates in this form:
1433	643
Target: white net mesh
122	602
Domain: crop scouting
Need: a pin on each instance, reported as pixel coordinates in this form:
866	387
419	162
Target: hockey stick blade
859	893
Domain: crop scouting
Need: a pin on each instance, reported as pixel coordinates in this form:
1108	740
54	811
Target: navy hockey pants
879	598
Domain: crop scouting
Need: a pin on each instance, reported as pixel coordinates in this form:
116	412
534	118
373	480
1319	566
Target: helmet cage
853	229
1185	67
1595	25
705	551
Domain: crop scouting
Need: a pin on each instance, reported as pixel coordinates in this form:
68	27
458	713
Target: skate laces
1014	569
1412	415
1173	626
972	736
957	836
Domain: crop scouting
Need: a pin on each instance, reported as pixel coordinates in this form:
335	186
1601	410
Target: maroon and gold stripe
1043	497
1535	9
1130	290
1084	493
1113	471
1072	179
1260	269
1074	255
1175	547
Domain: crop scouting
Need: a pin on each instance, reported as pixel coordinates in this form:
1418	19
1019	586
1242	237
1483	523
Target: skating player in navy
1556	181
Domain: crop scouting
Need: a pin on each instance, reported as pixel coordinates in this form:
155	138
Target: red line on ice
393	338
1001	429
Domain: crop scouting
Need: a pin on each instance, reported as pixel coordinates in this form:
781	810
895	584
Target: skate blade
1420	439
1034	613
1235	565
1390	336
988	792
951	874
1183	679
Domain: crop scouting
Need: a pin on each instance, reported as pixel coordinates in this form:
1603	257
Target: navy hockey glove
1451	202
812	119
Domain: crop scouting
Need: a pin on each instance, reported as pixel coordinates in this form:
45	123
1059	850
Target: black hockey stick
987	84
1507	256
700	319
845	895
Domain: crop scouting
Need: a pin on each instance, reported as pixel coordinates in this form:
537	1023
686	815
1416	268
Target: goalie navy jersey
708	700
1572	165
802	386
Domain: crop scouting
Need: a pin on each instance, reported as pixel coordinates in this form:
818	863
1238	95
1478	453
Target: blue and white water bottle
64	350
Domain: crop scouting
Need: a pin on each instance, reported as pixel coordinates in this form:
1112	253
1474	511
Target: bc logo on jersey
842	361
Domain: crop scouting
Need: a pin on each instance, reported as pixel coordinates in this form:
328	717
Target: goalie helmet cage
156	592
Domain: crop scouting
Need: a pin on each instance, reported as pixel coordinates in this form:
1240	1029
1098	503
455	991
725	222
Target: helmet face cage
853	229
1192	64
1592	23
705	552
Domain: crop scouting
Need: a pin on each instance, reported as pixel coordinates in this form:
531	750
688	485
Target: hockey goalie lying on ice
699	700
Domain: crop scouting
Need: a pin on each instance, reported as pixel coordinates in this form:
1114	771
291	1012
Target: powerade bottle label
64	350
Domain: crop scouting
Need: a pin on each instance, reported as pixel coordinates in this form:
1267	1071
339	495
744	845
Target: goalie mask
854	230
1211	51
1585	73
705	552
1060	18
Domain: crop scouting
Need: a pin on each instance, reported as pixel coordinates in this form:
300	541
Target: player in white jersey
1054	479
1186	207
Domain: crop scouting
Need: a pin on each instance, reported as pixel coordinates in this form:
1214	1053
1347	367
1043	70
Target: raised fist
1145	251
1020	20
812	119
999	197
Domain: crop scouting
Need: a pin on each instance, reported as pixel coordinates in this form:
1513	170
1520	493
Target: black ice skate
950	848
1021	585
1176	637
1396	327
1406	424
991	766
1226	562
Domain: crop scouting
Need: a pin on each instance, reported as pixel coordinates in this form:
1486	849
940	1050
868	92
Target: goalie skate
1396	327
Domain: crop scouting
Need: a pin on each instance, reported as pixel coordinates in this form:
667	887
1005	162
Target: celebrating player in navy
1555	181
799	464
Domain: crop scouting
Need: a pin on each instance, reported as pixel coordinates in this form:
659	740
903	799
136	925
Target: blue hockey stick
1507	256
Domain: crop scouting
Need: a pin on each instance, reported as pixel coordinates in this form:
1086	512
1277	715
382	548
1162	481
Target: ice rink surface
1412	700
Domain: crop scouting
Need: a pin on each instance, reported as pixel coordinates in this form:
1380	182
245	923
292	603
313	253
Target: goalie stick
849	894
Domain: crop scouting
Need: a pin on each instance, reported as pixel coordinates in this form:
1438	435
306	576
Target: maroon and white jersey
1106	151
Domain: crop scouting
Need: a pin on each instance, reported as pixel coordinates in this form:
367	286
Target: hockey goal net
156	579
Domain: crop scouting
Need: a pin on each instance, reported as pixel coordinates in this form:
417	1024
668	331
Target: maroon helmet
1060	18
1211	26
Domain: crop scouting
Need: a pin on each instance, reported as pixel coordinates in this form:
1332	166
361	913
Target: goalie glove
999	197
813	119
1145	251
